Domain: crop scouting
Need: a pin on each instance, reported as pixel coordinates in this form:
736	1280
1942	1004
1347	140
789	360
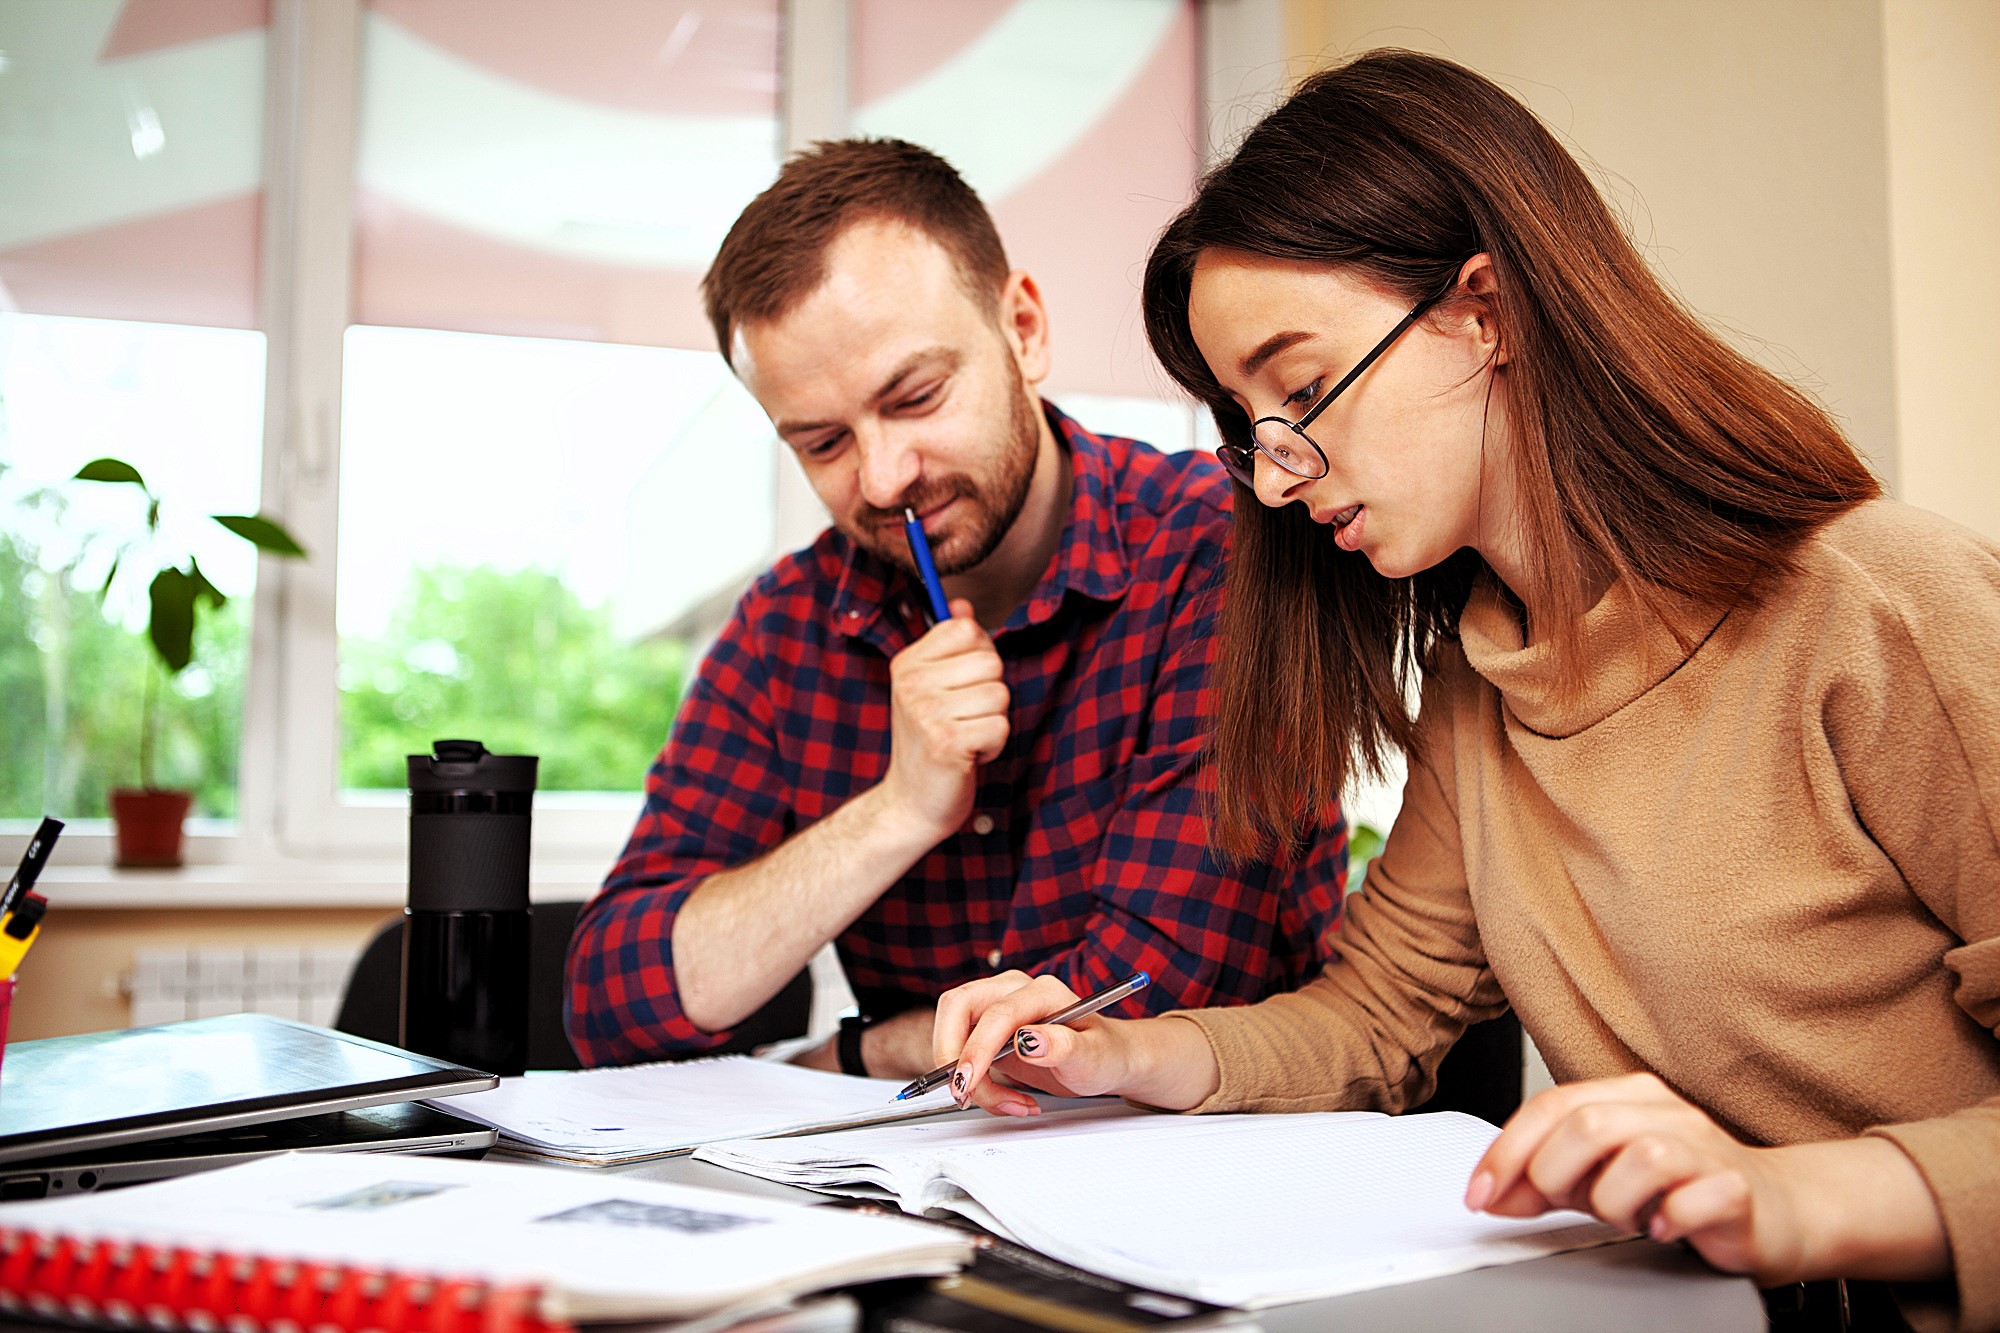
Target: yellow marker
18	931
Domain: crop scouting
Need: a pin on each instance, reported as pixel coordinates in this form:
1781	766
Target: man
1018	786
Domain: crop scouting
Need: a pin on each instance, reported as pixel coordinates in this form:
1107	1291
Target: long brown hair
1645	444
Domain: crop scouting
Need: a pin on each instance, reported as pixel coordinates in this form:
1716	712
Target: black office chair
372	1005
1481	1074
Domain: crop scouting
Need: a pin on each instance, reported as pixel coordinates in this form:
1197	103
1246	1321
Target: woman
1705	780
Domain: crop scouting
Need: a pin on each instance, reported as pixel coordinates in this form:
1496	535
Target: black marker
32	862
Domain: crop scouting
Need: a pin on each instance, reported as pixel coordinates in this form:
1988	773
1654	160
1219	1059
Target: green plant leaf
262	533
203	589
171	625
110	469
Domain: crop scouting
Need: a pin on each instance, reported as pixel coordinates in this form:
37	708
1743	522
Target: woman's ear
1480	284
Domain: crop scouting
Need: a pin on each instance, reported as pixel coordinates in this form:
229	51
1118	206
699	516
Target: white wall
1746	144
1943	86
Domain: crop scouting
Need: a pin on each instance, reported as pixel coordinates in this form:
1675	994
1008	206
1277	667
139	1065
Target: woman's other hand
1640	1156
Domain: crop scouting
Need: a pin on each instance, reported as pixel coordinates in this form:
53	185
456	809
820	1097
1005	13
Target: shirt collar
870	596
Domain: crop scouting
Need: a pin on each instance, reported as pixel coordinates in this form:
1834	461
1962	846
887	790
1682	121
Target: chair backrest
372	1005
1481	1073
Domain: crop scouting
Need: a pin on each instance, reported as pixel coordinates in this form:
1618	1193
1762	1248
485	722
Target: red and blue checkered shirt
1086	854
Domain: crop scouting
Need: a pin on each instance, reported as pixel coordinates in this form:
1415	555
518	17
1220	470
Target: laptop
405	1127
105	1093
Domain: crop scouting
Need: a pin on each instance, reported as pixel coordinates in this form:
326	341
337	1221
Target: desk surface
1637	1285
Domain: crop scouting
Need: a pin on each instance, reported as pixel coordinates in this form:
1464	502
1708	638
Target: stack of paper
1242	1210
605	1117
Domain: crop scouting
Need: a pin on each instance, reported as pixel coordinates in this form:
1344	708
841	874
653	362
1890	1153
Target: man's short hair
775	253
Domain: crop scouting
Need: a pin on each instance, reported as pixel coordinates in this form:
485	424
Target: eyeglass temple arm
1326	399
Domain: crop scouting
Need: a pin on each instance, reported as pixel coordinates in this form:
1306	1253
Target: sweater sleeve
1406	978
1916	729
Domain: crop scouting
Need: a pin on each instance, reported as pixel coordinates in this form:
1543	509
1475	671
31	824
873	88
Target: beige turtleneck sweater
1768	870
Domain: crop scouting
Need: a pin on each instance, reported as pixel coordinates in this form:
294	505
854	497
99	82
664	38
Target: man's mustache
921	498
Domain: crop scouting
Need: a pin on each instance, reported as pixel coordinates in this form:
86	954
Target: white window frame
289	807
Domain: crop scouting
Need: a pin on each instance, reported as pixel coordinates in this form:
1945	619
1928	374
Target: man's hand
1638	1155
898	1047
948	715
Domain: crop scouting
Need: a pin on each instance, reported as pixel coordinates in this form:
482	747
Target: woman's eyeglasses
1286	442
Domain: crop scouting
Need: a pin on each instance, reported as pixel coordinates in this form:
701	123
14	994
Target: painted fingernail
959	1077
1027	1043
1657	1228
1480	1191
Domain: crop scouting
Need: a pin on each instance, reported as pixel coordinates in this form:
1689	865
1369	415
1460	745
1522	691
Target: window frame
290	809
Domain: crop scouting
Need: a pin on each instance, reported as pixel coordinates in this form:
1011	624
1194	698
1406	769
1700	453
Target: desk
1636	1286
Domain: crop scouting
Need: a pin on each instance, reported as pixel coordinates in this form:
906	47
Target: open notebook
423	1243
607	1117
1242	1210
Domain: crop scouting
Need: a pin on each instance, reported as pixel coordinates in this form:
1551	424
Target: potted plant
148	819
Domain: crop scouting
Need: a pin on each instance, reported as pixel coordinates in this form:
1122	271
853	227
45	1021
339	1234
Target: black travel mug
465	937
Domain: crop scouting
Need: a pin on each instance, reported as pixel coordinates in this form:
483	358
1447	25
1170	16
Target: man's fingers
985	739
977	702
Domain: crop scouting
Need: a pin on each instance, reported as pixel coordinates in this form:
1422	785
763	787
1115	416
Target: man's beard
977	527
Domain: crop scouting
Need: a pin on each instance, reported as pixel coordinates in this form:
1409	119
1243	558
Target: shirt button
982	825
993	958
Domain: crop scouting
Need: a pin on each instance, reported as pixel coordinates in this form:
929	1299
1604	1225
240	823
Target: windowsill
281	885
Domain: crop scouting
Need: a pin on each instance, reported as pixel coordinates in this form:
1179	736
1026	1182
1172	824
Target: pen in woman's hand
1083	1008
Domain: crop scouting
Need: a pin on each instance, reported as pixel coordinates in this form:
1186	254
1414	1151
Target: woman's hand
1162	1062
1638	1155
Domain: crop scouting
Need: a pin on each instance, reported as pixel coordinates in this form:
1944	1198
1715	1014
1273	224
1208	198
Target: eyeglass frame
1249	474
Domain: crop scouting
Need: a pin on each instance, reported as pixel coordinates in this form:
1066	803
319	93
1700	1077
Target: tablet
65	1095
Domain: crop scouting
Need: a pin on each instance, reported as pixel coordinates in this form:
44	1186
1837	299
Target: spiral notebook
432	1245
1236	1210
610	1117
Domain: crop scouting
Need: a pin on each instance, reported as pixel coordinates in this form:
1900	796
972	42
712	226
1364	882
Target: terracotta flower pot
148	823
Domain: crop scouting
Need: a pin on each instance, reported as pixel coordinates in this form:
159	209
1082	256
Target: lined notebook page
614	1115
1247	1210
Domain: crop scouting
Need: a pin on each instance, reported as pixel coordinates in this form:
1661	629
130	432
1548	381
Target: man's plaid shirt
1085	855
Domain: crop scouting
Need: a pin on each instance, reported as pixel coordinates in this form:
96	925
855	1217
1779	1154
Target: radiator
305	983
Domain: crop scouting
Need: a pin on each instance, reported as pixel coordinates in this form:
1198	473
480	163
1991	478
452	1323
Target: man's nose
888	467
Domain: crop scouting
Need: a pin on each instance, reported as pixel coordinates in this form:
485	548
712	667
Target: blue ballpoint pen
920	548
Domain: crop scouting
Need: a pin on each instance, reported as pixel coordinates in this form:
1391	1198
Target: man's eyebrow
1269	348
947	359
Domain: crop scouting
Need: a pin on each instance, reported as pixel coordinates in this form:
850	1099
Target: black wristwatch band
849	1045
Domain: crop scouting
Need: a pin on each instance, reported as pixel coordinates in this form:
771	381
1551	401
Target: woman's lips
1347	527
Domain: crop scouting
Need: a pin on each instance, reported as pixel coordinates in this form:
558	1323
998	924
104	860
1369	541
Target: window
444	324
130	140
545	470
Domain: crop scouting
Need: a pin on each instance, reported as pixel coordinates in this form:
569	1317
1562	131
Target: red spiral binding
128	1285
